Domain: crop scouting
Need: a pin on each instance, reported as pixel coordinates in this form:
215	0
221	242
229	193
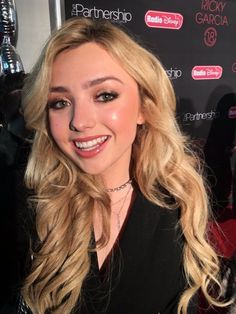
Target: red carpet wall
196	42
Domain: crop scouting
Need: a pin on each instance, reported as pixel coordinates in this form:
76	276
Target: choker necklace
121	187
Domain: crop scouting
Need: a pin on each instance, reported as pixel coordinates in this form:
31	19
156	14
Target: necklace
121	187
117	214
118	201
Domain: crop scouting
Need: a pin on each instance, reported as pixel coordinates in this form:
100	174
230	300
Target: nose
83	117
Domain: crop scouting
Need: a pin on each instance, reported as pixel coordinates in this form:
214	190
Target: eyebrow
100	80
58	89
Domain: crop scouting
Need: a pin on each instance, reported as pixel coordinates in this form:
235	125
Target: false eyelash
53	104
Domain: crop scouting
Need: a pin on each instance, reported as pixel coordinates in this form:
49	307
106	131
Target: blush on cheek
56	130
114	116
56	125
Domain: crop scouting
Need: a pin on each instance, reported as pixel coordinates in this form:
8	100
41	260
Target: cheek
122	120
57	126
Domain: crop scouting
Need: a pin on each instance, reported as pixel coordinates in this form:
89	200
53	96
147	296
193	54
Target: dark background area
206	111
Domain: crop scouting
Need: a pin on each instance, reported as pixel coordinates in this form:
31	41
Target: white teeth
90	144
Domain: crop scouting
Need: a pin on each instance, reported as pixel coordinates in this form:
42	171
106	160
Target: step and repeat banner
196	42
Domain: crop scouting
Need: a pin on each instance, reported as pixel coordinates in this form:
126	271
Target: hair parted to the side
65	197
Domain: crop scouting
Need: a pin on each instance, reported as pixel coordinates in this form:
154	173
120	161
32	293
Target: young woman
120	205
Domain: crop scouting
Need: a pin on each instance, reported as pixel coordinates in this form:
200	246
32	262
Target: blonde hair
162	166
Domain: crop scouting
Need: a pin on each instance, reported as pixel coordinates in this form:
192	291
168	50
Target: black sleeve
229	280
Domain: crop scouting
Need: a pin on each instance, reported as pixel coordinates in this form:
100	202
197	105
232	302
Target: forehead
85	60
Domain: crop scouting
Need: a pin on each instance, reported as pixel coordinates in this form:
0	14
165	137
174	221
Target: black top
143	274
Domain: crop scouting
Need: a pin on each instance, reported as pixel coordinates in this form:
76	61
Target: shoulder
157	225
164	215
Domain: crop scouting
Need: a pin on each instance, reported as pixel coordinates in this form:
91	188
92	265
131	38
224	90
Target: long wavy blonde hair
162	165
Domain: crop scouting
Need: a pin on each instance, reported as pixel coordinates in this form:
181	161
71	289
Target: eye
106	96
58	104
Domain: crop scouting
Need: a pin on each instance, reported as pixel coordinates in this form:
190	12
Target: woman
120	205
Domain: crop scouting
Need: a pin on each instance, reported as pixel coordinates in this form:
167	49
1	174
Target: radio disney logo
210	115
114	15
159	19
207	72
173	74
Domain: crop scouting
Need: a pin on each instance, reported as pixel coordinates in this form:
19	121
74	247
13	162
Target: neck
120	187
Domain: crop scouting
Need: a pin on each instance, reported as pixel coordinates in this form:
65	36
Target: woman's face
92	92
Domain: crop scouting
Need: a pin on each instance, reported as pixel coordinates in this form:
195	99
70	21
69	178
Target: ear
140	118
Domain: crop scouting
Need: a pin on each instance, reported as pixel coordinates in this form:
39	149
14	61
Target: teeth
91	144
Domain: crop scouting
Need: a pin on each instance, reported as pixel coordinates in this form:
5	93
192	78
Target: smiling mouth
90	145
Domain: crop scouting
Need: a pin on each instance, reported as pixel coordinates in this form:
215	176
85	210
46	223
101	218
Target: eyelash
106	96
103	97
58	104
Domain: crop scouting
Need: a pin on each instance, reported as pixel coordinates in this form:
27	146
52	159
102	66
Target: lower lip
93	152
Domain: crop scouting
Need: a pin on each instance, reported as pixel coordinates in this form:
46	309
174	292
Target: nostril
72	127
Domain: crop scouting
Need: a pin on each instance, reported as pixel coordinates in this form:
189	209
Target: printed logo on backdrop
174	73
211	15
159	19
207	72
116	15
210	36
234	67
199	116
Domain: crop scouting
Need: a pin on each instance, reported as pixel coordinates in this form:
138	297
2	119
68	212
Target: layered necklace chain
123	199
